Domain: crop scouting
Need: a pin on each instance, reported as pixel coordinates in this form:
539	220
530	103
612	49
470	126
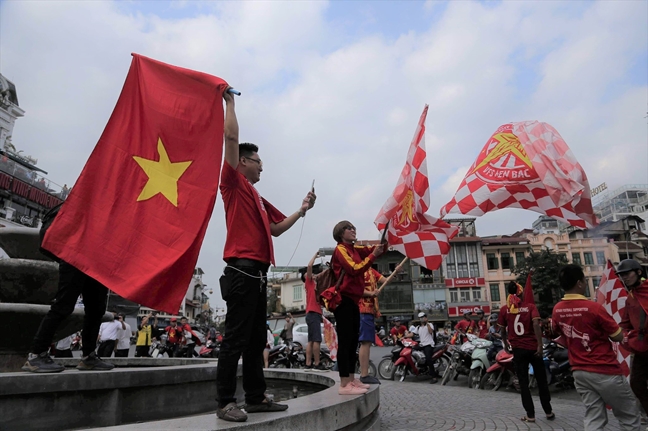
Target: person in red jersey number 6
520	328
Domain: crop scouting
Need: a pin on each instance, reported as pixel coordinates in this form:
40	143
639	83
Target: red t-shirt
311	299
174	334
465	326
355	261
248	217
586	326
482	328
370	305
398	332
519	326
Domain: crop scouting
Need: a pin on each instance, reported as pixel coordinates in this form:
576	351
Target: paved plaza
415	404
418	405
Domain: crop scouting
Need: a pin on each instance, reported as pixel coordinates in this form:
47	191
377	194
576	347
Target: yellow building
502	253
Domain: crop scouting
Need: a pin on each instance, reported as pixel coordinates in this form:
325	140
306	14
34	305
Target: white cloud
343	111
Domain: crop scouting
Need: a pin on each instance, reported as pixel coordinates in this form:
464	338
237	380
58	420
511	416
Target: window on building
596	282
589	259
587	288
506	261
495	292
519	257
473	261
454	295
451	264
297	292
476	294
576	259
416	272
474	269
600	257
462	270
491	261
465	295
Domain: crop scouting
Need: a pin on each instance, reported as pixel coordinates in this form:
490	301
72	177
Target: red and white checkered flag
421	237
526	165
612	295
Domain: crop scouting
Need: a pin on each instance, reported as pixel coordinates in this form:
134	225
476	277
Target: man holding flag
587	329
251	221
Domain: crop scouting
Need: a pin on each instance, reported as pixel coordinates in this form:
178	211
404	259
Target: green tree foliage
544	280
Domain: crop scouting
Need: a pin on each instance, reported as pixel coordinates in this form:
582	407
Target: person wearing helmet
481	325
633	319
466	326
425	331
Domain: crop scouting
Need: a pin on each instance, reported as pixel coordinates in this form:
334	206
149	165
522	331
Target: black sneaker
231	413
42	363
94	362
266	406
320	368
308	368
369	380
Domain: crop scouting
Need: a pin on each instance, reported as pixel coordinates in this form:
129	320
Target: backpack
323	281
48	219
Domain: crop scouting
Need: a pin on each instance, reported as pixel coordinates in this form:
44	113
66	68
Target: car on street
300	334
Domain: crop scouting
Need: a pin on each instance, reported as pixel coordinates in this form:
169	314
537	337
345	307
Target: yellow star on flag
163	176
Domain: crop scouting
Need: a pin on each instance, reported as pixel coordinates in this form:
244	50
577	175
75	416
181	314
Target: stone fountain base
166	394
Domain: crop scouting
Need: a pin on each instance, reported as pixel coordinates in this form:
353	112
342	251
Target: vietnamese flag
137	215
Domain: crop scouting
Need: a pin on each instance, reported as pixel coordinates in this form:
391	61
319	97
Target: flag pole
383	238
400	265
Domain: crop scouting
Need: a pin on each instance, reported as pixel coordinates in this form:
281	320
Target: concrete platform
145	393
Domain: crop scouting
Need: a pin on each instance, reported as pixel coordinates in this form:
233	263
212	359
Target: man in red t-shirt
520	328
313	320
481	326
398	331
587	329
251	222
466	326
174	335
636	306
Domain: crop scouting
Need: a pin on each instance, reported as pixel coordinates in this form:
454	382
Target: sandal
551	416
527	419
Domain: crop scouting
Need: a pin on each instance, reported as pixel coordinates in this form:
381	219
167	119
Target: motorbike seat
276	348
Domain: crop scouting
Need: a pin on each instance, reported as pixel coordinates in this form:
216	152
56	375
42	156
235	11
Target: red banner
460	310
465	282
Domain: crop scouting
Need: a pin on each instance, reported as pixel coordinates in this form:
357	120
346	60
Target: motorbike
557	367
386	365
278	357
480	362
325	358
160	347
209	350
500	372
460	362
412	360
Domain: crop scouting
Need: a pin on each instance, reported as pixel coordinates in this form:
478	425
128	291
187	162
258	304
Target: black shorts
314	322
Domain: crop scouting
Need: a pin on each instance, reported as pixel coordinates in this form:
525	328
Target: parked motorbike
386	365
502	371
557	367
460	361
278	357
209	350
480	362
325	358
412	360
160	347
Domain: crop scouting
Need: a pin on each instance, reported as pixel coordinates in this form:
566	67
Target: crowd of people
251	223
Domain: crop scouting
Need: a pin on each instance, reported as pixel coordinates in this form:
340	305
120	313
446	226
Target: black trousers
429	351
142	351
121	353
244	290
66	353
639	378
347	326
106	349
73	283
522	358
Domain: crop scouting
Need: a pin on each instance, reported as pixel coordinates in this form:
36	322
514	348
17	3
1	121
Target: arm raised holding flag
251	223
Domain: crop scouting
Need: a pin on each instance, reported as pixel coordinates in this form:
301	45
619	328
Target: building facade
628	200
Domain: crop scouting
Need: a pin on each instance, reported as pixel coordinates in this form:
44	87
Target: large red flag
419	236
136	218
612	295
526	165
